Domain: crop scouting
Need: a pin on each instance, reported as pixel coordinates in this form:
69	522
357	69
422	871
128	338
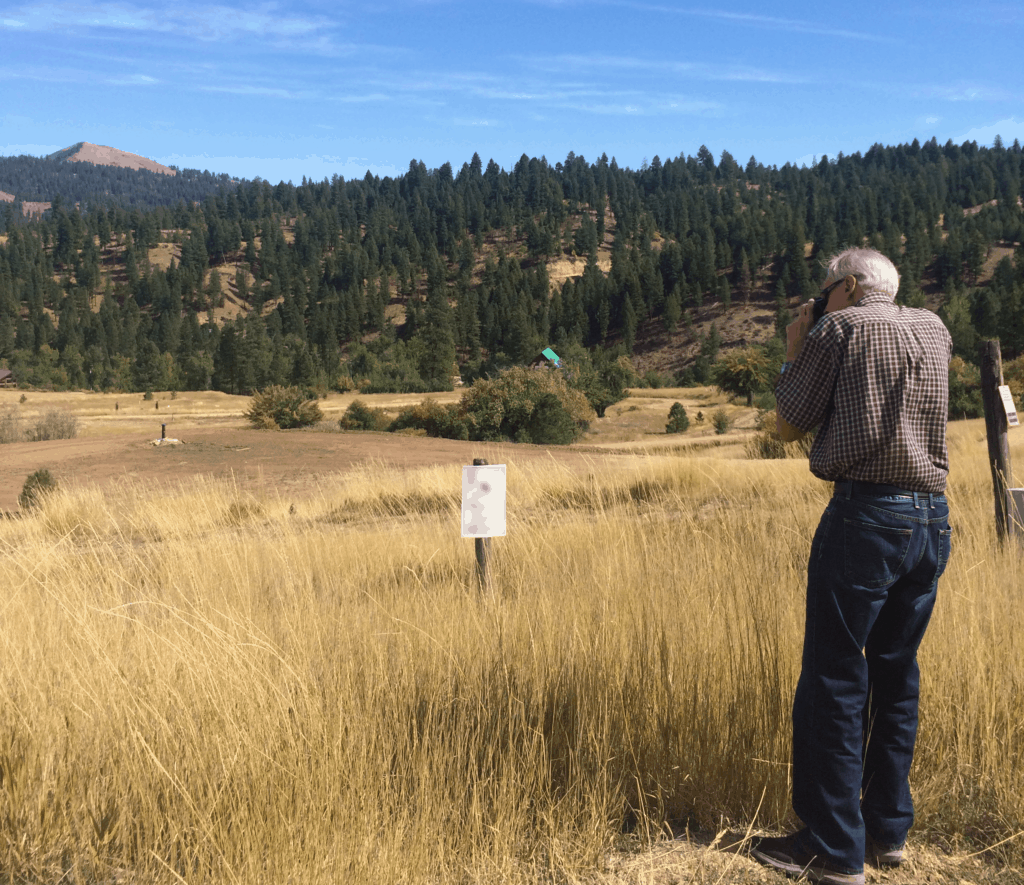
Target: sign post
483	511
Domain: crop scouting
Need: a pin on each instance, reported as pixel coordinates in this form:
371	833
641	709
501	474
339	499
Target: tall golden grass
201	685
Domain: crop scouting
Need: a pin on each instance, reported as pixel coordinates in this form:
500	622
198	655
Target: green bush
435	419
359	416
720	421
284	407
523	405
55	424
678	420
37	486
549	424
506	408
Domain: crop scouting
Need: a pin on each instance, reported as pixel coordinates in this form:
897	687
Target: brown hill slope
101	155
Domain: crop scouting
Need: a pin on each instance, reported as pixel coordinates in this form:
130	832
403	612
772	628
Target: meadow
207	683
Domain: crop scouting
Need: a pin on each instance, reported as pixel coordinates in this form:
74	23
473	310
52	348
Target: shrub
55	424
284	407
359	416
678	420
434	419
549	424
37	486
720	421
507	406
523	405
10	426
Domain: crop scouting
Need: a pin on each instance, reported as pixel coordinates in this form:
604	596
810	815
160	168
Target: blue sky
283	90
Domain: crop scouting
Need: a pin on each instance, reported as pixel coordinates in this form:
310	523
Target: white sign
1011	412
483	501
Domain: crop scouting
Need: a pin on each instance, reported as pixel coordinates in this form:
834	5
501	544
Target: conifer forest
438	276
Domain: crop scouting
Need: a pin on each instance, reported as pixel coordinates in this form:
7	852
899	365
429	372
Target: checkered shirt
875	377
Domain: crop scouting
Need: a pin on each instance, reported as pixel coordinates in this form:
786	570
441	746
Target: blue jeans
874	567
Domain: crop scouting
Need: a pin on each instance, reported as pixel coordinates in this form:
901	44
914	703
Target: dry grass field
210	678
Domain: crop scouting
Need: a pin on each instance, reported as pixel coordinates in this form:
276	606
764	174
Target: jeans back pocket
874	554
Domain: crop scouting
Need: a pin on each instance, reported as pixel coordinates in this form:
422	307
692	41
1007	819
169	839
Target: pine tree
437	356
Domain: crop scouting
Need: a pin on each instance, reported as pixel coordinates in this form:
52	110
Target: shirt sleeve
803	394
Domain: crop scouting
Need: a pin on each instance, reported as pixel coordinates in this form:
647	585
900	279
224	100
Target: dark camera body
818	311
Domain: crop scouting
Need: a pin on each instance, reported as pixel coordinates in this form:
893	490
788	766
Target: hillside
89	176
394	285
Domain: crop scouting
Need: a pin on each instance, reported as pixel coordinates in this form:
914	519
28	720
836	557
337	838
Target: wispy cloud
766	22
571	63
133	80
788	24
246	89
579	94
202	22
371	98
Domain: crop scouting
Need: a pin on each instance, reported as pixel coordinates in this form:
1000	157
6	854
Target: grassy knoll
205	685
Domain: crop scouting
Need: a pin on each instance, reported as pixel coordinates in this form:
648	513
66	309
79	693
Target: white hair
872	270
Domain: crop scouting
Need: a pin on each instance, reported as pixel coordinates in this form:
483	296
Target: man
872	376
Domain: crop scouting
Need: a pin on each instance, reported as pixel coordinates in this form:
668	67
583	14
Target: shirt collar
875	298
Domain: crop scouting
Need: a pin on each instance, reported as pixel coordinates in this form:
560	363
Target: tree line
408	283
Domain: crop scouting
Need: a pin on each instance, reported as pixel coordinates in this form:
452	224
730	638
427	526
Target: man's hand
786	431
797	330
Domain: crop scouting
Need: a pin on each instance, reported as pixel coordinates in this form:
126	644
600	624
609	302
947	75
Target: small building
7	378
547	357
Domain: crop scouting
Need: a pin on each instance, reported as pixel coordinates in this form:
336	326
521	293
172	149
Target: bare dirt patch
117	435
101	155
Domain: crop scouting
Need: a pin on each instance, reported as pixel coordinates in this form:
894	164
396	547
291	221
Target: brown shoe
784	853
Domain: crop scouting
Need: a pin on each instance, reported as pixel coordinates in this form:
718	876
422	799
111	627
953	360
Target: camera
818	311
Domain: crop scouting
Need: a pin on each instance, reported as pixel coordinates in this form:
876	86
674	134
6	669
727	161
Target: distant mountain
90	176
101	155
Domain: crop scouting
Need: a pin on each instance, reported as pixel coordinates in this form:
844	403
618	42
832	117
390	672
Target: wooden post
163	431
483	550
995	428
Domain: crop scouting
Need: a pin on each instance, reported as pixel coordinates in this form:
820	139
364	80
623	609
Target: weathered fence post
995	428
483	550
